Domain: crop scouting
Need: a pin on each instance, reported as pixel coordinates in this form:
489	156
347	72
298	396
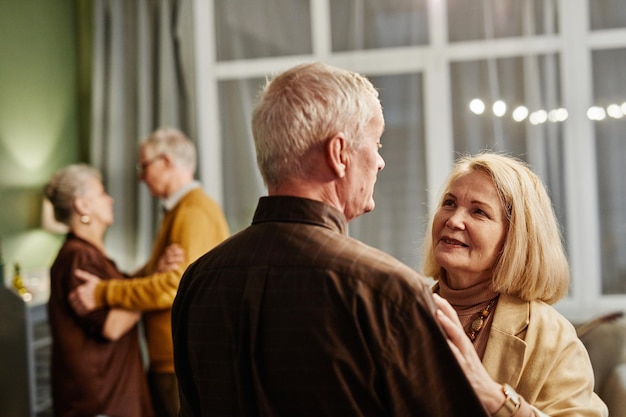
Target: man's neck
174	197
324	192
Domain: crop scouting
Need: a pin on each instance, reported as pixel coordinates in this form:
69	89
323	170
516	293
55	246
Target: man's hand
171	258
82	298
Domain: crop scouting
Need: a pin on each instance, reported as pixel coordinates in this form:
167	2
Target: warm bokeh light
538	117
596	113
520	113
499	108
477	106
562	114
552	116
614	111
558	115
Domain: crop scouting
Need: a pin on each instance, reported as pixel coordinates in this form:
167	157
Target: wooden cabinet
25	348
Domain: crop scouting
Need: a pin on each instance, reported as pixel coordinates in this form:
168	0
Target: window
359	25
543	67
494	19
513	105
397	223
609	83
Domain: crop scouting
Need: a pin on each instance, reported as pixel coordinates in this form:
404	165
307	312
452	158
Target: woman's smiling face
469	229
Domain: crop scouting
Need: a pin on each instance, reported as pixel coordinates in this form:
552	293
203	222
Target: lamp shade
48	222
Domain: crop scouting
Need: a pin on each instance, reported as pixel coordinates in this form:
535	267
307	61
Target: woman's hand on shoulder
489	391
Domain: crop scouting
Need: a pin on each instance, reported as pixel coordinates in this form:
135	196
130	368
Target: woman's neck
468	296
90	233
461	281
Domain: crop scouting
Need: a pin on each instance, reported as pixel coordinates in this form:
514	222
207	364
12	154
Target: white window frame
574	44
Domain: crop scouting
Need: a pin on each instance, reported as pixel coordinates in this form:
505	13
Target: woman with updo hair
96	364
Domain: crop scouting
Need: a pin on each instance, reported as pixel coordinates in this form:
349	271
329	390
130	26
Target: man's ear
336	154
167	160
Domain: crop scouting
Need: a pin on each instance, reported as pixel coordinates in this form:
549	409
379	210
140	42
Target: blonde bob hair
300	109
532	264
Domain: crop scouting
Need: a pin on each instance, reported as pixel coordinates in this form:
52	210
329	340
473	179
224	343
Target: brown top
291	317
468	304
89	374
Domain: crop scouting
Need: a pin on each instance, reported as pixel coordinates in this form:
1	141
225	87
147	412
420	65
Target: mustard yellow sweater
197	224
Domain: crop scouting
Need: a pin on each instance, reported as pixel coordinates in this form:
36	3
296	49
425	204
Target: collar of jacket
504	356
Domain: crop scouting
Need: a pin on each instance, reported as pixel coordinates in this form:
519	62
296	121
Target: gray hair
173	143
301	108
67	184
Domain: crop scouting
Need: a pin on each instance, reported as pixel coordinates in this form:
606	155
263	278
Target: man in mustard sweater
193	221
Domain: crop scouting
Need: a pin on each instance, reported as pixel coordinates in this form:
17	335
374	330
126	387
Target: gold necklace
479	321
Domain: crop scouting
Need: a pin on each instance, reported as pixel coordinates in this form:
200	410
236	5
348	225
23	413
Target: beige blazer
533	348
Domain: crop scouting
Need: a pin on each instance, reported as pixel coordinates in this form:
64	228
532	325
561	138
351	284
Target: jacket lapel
504	355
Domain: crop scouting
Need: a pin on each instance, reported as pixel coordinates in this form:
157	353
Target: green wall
40	92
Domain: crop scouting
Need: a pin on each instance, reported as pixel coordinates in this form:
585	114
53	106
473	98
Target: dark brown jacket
291	317
89	374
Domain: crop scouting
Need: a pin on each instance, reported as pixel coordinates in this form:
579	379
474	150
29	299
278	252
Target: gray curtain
455	51
142	79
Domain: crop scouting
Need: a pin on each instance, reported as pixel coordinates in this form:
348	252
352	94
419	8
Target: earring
85	219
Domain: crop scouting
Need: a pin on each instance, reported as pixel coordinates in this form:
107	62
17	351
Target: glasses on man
142	166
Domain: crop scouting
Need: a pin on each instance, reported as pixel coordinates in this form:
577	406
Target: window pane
397	223
488	81
247	29
607	14
529	125
609	84
369	24
491	19
242	180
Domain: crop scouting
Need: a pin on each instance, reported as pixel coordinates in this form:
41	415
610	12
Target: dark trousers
164	392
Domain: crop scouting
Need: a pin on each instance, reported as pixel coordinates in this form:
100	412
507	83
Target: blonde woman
494	248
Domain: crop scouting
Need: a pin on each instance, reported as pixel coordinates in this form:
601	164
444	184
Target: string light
537	117
477	106
615	111
520	113
558	115
499	108
596	113
561	114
